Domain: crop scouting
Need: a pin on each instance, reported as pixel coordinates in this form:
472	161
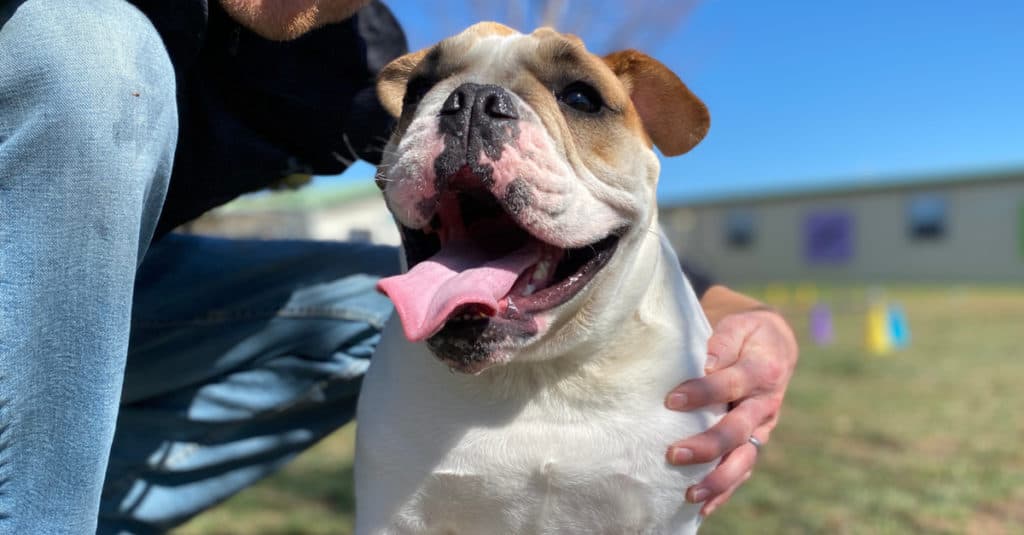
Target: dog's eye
581	96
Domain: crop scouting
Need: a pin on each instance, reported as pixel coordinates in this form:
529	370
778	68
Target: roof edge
856	186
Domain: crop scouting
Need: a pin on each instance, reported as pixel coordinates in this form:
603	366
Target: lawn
925	440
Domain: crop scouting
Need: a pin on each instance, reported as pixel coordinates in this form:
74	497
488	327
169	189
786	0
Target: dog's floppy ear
674	117
392	80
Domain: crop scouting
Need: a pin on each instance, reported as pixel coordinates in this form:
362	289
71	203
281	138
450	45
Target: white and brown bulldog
544	313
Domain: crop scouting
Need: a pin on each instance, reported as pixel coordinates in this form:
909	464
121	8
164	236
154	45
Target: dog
543	315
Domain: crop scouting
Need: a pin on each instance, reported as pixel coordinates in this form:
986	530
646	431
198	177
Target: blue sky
813	93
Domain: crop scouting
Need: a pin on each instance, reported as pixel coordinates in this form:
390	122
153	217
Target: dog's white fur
567	435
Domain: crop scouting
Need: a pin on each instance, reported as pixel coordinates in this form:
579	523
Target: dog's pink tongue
457	275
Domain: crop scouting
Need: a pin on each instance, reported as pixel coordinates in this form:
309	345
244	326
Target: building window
926	217
828	237
739	229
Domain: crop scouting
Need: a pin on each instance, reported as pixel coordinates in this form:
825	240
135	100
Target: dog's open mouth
477	277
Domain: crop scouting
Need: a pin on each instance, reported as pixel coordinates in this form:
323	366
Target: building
343	212
965	227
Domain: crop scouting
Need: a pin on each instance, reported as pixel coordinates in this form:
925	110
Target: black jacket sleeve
253	111
699	280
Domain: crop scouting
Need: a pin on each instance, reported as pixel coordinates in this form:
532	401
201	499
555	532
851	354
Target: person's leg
243	353
87	133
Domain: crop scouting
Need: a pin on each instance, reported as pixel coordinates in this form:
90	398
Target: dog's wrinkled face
521	164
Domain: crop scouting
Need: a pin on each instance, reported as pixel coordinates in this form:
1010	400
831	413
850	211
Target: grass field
927	440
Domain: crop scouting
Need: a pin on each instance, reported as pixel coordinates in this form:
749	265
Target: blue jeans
139	383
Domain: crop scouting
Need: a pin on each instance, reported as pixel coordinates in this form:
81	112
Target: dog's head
521	169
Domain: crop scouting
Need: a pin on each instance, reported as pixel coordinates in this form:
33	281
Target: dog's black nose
477	121
480	103
496	103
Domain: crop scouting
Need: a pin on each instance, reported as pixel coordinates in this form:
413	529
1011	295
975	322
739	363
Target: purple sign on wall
828	237
821	325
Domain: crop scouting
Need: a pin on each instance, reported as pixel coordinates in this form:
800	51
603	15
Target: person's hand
751	357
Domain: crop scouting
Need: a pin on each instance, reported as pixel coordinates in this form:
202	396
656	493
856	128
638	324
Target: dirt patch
998	518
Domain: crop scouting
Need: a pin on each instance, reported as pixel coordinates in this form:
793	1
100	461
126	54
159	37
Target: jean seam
5	444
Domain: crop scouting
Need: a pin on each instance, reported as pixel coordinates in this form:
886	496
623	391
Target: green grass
927	440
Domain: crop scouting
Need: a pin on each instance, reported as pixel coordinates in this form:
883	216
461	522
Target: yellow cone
876	332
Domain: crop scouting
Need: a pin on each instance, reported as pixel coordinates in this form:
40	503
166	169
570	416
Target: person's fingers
754	373
734	470
728	474
721	387
717	501
727	339
762	363
731	432
774	407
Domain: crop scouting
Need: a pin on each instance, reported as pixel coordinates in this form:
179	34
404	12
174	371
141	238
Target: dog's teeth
530	288
541	272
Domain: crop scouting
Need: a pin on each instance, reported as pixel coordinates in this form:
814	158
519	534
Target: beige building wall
982	240
367	219
362	218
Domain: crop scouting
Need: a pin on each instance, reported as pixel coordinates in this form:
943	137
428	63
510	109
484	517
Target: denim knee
87	133
87	93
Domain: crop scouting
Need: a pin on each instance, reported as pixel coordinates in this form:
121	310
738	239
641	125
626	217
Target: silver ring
757	443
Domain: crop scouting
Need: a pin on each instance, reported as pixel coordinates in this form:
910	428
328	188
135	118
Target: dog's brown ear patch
392	80
673	116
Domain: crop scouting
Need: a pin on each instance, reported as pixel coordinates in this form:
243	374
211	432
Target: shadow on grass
314	495
304	486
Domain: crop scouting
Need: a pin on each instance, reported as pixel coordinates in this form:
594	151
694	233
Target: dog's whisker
348	162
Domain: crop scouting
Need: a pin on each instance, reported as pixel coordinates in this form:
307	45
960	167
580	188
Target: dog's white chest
553	479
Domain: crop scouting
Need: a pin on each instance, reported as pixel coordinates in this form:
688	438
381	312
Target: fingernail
710	509
700	495
676	401
681	455
710	363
